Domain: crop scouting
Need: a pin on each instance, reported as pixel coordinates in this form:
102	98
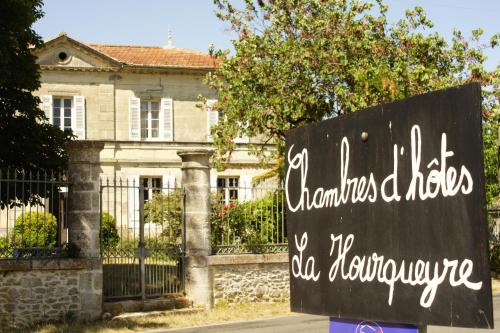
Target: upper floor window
150	119
65	113
61	112
213	117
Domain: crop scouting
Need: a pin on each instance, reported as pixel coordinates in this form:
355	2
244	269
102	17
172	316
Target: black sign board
386	213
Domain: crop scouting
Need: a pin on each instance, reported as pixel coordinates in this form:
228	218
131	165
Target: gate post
84	220
84	196
196	183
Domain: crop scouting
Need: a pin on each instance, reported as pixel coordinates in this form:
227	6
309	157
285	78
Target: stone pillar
196	183
84	220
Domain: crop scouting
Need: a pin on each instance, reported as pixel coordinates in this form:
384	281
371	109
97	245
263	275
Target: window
150	119
227	188
213	119
152	186
66	113
61	112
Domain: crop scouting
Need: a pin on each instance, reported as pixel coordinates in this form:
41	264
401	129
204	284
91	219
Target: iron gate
141	238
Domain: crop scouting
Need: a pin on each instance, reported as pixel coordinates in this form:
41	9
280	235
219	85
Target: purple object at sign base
348	326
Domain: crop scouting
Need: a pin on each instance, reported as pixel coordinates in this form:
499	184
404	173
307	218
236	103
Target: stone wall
49	290
250	278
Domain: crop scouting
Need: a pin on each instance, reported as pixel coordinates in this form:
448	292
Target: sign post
386	215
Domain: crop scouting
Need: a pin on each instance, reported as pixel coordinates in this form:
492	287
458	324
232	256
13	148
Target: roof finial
170	42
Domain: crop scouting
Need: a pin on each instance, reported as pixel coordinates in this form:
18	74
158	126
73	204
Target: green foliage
299	62
109	233
490	149
165	210
35	229
4	242
494	240
255	222
27	142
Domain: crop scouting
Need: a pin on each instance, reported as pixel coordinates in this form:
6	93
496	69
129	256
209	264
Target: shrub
4	242
165	210
494	240
256	222
109	233
35	229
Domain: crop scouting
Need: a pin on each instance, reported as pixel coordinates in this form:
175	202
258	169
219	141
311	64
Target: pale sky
194	25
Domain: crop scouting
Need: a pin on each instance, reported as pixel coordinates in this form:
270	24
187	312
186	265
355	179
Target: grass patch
220	314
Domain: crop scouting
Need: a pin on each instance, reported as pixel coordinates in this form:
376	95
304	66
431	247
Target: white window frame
61	111
151	191
226	189
213	117
150	121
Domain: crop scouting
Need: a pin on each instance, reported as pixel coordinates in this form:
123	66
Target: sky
194	25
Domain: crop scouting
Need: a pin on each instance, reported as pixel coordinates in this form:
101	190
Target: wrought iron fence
33	215
247	220
141	238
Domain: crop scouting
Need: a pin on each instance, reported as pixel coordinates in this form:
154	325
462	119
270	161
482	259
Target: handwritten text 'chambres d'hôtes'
442	178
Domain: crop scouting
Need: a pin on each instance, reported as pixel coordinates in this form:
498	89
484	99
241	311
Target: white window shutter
168	184
134	112
46	106
167	123
212	117
213	181
78	117
242	138
245	190
133	200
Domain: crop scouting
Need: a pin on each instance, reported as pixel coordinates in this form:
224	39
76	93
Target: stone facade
107	88
250	278
49	290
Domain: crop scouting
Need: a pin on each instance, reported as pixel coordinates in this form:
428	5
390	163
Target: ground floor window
227	188
152	185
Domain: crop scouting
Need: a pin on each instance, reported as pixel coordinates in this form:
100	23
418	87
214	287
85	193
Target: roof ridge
147	46
122	45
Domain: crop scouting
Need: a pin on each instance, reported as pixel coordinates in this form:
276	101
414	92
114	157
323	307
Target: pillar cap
195	152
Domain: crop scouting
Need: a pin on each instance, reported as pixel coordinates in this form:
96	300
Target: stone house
141	102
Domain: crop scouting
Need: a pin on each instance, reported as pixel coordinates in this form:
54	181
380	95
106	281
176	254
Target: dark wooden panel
437	230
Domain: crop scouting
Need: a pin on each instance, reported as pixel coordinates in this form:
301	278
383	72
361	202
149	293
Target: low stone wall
249	278
49	290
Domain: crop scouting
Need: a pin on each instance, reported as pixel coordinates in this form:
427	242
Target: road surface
312	324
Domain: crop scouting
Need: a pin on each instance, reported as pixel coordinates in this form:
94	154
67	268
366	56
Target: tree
27	141
301	61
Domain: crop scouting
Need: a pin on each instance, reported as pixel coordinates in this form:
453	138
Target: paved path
311	324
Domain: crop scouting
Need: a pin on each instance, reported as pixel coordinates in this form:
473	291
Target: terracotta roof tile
154	56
